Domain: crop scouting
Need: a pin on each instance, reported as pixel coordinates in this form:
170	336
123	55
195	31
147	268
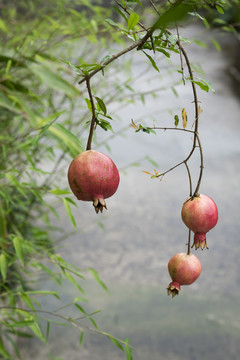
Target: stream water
143	229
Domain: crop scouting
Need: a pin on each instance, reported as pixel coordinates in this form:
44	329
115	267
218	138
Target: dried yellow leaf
134	126
184	118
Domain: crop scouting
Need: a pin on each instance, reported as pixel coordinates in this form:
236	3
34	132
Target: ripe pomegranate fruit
184	269
200	214
93	176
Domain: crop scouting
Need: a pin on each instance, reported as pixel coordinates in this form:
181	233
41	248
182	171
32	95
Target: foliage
43	113
38	99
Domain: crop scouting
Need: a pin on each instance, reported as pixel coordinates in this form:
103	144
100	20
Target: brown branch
135	45
90	136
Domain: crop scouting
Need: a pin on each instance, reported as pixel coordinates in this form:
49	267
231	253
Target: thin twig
181	59
189	242
90	136
135	45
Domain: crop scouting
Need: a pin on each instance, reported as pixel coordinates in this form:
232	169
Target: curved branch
135	45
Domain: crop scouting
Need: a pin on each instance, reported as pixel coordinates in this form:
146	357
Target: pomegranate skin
93	176
200	214
184	269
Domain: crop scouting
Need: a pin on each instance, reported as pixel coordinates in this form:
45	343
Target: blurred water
143	229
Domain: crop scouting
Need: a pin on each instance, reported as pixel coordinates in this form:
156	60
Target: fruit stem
189	243
201	166
189	177
90	136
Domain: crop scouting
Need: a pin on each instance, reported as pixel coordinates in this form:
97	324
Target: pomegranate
93	176
200	214
184	269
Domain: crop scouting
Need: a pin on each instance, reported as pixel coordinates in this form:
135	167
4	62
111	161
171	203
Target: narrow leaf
128	350
67	138
81	338
152	61
148	158
80	308
89	105
69	212
73	281
37	331
101	105
53	80
59	192
184	118
43	292
216	44
116	342
97	278
47	330
17	243
3	266
27	300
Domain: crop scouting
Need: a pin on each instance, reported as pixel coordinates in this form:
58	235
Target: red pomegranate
184	269
200	214
93	176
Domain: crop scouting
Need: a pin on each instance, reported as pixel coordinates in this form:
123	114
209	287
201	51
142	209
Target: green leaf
59	192
8	103
219	9
22	323
89	105
152	61
53	80
17	243
128	350
174	91
113	23
3	351
80	308
3	266
104	124
166	53
27	300
97	278
133	20
173	15
203	84
74	282
216	44
64	265
120	13
2	222
200	43
176	120
116	342
93	322
37	331
68	139
69	212
151	161
81	338
101	104
43	292
135	1
47	330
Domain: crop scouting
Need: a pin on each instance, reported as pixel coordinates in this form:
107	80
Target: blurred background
131	243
